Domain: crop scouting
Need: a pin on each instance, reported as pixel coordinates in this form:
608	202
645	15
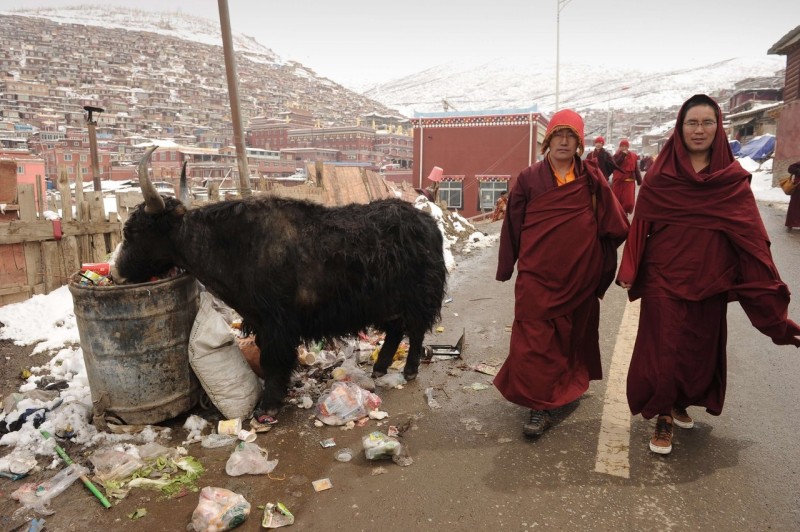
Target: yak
297	271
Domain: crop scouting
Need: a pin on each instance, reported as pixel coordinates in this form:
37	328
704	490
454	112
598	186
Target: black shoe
539	421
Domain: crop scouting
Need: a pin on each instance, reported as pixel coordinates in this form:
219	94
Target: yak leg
278	360
394	334
414	353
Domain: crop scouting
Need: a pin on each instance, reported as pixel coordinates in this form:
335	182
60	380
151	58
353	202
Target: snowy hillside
500	85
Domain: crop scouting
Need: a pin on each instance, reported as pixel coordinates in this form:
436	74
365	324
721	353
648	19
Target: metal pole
558	48
421	140
93	146
233	95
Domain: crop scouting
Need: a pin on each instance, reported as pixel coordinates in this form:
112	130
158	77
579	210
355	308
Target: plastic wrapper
110	464
378	445
350	372
213	440
249	459
219	509
344	402
390	380
38	496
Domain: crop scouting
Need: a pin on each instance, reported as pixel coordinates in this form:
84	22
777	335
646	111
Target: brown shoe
661	443
681	418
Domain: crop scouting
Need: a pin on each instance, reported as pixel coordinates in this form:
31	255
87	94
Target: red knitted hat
566	118
599	139
624	142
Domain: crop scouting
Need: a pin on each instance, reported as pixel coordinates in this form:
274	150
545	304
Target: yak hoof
271	411
410	376
377	374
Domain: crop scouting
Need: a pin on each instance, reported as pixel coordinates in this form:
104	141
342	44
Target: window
67	156
20	169
452	193
490	191
83	157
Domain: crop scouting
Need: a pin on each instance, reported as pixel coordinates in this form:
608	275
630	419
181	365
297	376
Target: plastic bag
378	445
391	380
219	509
213	440
110	464
349	371
38	496
248	458
219	364
345	401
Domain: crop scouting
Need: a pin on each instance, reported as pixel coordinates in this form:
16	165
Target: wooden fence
38	255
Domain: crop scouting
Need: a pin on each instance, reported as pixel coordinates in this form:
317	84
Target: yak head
148	248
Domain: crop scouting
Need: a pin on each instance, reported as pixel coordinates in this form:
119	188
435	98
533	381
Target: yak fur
299	271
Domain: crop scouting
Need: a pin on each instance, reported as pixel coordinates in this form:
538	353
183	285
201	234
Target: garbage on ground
37	525
86	482
229	426
38	496
432	402
137	514
398	359
322	484
248	436
378	445
258	426
436	352
214	440
219	509
345	401
249	458
276	515
391	380
149	466
17	463
219	364
486	369
378	414
343	455
329	442
349	371
195	425
477	386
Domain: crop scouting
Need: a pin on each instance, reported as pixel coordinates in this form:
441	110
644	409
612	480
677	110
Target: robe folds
696	242
563	240
625	178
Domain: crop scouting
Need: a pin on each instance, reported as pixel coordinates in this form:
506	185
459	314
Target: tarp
759	148
736	147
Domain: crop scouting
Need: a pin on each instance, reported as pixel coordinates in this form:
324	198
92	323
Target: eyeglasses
707	124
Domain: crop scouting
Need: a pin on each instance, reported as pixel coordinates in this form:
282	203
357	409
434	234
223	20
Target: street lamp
92	124
560	4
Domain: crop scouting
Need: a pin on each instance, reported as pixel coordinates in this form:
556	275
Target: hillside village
161	89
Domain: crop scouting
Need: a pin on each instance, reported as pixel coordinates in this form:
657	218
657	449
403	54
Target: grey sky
354	41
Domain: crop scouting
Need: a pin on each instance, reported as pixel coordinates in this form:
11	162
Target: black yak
296	270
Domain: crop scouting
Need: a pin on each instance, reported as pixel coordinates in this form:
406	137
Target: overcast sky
357	41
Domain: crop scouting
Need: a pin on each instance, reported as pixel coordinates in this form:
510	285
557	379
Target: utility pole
560	4
92	124
233	95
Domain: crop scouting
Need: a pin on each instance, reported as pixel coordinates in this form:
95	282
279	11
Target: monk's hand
626	286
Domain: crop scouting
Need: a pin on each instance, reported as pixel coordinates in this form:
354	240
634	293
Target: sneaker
681	418
539	421
661	443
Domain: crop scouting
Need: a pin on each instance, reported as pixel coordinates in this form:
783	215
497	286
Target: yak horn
153	202
184	192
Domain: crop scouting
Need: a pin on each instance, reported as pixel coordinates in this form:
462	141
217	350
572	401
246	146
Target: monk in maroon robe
696	242
793	214
626	176
562	228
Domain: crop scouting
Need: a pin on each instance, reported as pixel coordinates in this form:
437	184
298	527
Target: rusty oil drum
135	346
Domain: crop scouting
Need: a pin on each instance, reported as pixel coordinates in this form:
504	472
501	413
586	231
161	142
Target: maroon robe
625	178
566	255
793	214
696	242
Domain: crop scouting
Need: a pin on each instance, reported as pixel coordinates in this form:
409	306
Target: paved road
474	470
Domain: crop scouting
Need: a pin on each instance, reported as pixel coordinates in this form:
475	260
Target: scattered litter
486	369
219	509
448	300
137	514
37	525
318	423
380	470
195	425
38	496
350	425
249	458
214	440
392	431
477	386
504	440
329	442
248	436
276	515
322	484
437	352
440	329
378	414
391	380
344	402
18	463
432	402
378	445
343	455
229	426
